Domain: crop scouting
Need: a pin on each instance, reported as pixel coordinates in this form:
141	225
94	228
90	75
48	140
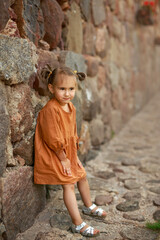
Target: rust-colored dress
56	130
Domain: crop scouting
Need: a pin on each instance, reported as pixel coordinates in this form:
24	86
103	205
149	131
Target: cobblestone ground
124	179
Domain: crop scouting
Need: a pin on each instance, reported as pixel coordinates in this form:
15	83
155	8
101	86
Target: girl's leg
84	190
71	203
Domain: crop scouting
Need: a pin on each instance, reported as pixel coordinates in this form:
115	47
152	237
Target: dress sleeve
50	130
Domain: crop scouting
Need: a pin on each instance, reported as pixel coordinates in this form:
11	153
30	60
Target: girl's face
64	89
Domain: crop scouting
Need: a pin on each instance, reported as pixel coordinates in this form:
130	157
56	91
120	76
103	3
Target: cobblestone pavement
124	179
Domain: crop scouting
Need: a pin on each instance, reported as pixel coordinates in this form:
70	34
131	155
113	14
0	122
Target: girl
56	144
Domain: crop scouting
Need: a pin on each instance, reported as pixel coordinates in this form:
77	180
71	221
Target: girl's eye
61	88
71	88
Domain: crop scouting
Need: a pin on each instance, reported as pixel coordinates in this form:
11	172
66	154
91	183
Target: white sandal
88	232
97	213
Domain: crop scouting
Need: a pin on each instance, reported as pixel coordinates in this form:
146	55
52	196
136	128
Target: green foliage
153	226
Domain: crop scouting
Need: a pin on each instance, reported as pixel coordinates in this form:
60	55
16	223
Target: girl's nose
66	92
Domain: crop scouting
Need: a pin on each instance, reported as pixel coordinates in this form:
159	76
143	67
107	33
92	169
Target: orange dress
56	130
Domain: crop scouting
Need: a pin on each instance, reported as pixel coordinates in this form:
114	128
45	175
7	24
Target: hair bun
81	76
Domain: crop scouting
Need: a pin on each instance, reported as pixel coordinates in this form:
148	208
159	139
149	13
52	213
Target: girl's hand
79	163
66	164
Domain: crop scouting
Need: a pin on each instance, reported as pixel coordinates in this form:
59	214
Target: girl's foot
85	230
93	210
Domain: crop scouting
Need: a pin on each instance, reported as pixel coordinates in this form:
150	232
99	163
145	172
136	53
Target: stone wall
99	37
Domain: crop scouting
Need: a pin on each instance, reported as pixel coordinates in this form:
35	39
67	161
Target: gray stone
138	233
60	220
130	162
103	199
4	128
97	184
4	13
131	184
33	26
116	121
156	215
105	174
134	217
86	8
75	31
91	154
55	234
155	189
150	167
73	60
156	201
21	200
132	196
18	58
128	206
97	132
98	12
153	181
91	100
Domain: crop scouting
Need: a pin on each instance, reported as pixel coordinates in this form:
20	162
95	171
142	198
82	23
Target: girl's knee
68	186
83	180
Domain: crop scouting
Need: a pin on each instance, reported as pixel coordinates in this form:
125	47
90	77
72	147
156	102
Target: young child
56	144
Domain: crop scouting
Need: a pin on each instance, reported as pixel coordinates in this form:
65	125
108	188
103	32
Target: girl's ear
51	88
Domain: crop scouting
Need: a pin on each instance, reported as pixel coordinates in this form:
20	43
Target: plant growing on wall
146	14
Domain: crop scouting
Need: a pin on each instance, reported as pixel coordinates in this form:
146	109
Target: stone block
75	30
92	65
89	39
21	200
116	121
20	110
113	74
29	19
4	5
73	60
18	58
97	132
91	100
105	104
24	150
85	143
4	128
102	77
98	12
86	8
53	18
122	9
102	42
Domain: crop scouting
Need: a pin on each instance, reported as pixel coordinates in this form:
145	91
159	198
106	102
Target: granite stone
18	58
21	199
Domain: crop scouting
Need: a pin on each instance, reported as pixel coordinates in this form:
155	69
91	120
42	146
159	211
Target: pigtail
81	76
46	73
